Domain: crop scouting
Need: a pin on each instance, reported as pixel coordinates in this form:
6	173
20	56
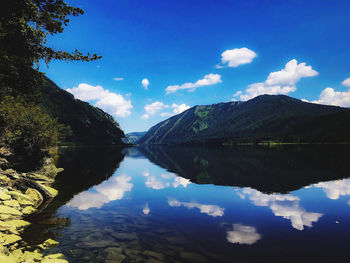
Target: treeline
25	124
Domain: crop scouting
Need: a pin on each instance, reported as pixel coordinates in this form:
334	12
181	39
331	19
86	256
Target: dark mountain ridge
90	125
134	137
264	118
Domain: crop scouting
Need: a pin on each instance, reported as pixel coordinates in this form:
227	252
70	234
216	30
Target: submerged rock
125	236
50	243
114	255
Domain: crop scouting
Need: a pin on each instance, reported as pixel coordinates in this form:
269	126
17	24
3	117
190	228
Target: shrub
26	127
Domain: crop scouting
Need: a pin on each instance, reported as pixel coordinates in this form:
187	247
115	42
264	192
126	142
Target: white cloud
242	234
118	79
335	189
279	82
145	116
155	107
177	109
211	210
346	82
110	102
145	84
146	209
336	98
209	79
110	190
286	206
236	57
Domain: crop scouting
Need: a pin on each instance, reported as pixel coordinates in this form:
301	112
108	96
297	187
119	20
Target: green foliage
266	119
27	128
24	27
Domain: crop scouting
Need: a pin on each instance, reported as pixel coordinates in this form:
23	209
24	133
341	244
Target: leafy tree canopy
24	27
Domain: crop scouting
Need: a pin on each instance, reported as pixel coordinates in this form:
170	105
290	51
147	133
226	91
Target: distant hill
264	118
134	137
90	125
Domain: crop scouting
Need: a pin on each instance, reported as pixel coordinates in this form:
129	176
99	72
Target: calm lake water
197	204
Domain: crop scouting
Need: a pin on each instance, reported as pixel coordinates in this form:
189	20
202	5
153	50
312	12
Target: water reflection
286	206
244	235
110	190
199	204
164	181
146	209
211	210
281	169
335	189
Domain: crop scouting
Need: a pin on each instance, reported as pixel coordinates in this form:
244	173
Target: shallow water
199	204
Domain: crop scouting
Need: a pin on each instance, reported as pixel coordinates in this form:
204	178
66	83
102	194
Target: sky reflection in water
210	221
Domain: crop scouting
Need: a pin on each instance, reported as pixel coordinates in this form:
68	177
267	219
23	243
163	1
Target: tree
24	27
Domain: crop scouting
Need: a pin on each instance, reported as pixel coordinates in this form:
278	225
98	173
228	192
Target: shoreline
22	194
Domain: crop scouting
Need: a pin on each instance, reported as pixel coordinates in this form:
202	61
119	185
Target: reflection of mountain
265	169
83	168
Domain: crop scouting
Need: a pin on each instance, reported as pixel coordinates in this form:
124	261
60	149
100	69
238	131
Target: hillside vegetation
266	118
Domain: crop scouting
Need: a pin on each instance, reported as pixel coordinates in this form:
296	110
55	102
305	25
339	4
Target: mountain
90	125
134	137
264	118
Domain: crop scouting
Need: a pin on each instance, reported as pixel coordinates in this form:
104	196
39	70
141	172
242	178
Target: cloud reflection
110	190
335	189
146	209
211	210
164	181
242	234
286	206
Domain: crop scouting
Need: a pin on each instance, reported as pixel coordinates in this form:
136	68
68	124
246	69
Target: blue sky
222	48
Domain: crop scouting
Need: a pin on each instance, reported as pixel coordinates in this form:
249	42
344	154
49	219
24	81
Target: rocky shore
22	194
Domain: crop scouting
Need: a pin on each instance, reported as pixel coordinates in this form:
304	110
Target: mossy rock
8	259
19	196
55	256
9	210
17	223
25	203
4	196
17	254
34	256
54	260
35	196
12	203
28	210
50	243
53	192
6	239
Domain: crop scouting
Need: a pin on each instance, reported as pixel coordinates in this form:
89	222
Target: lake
200	204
